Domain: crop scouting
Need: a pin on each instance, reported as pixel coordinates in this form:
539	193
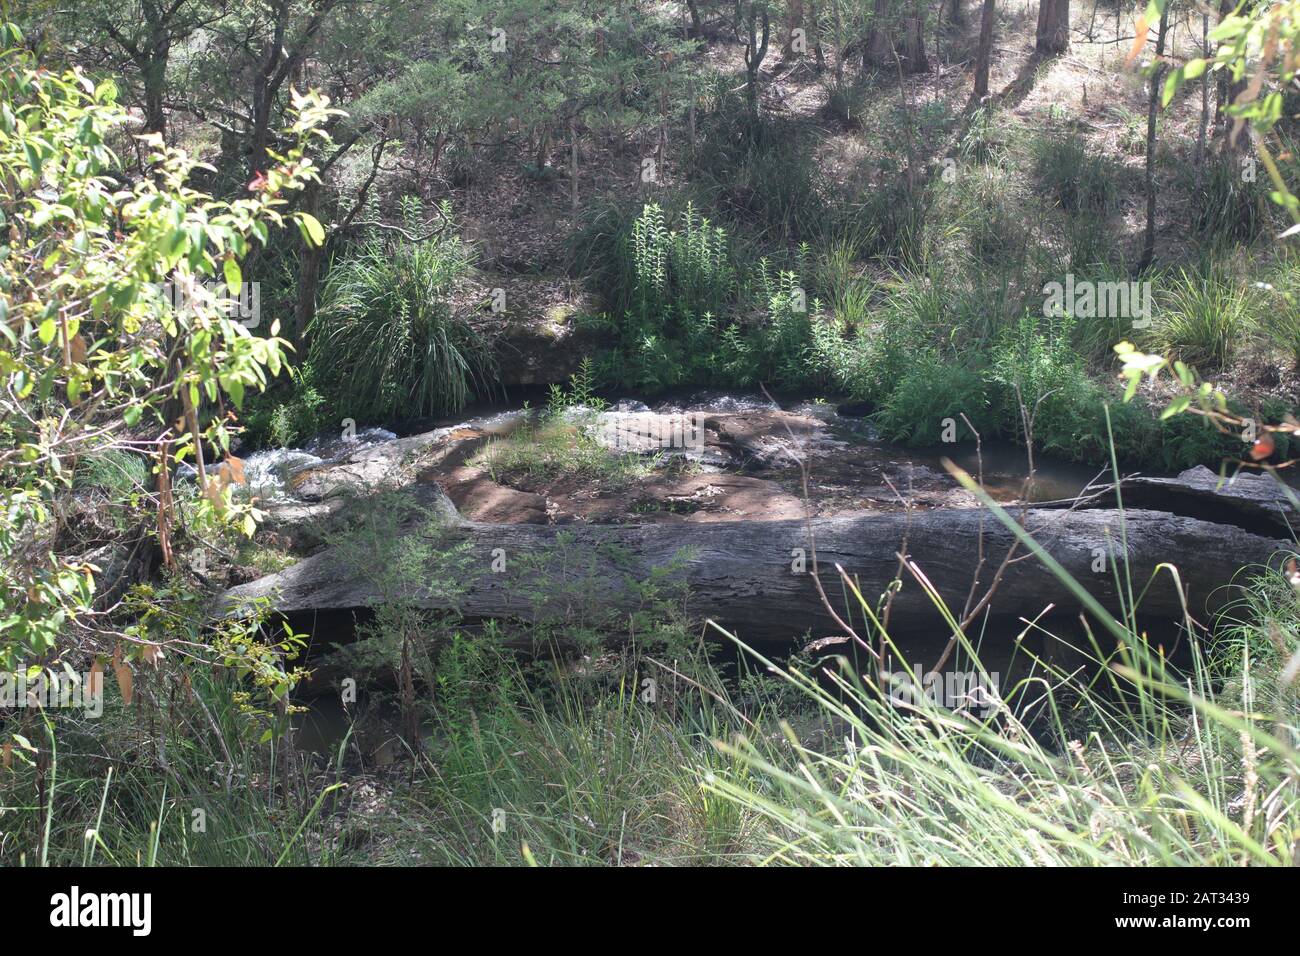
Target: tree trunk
755	51
878	52
1203	128
573	163
796	23
753	577
697	26
1226	91
983	53
1153	110
896	40
1053	34
309	263
150	56
911	50
155	85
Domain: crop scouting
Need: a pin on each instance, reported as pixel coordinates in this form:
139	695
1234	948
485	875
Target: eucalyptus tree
134	42
1052	33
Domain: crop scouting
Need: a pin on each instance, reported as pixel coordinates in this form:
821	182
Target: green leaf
1177	406
45	332
234	278
311	228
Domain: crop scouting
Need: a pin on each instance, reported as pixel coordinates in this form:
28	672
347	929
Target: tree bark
796	23
896	40
878	51
309	263
154	71
1226	91
1052	36
1203	128
746	575
696	31
1153	111
983	53
755	51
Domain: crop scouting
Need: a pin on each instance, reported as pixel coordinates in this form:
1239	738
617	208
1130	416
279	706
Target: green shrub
930	391
783	337
678	272
1074	174
1090	246
848	100
691	317
1203	317
899	214
1227	206
764	175
1282	299
992	216
287	414
118	474
867	361
1034	364
387	339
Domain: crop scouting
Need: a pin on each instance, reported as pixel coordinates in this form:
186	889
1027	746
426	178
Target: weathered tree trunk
1153	111
878	51
896	40
911	48
309	263
1203	127
1226	91
795	23
696	31
755	51
1053	33
154	70
573	163
753	576
983	53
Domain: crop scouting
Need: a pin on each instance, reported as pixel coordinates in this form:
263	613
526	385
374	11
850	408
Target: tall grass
389	338
1076	176
1138	765
1204	317
1283	301
570	778
201	788
1229	206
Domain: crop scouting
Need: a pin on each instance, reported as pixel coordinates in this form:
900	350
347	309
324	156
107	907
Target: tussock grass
1204	316
387	336
551	447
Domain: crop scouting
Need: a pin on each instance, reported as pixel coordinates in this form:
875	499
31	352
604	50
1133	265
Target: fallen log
1252	501
753	576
